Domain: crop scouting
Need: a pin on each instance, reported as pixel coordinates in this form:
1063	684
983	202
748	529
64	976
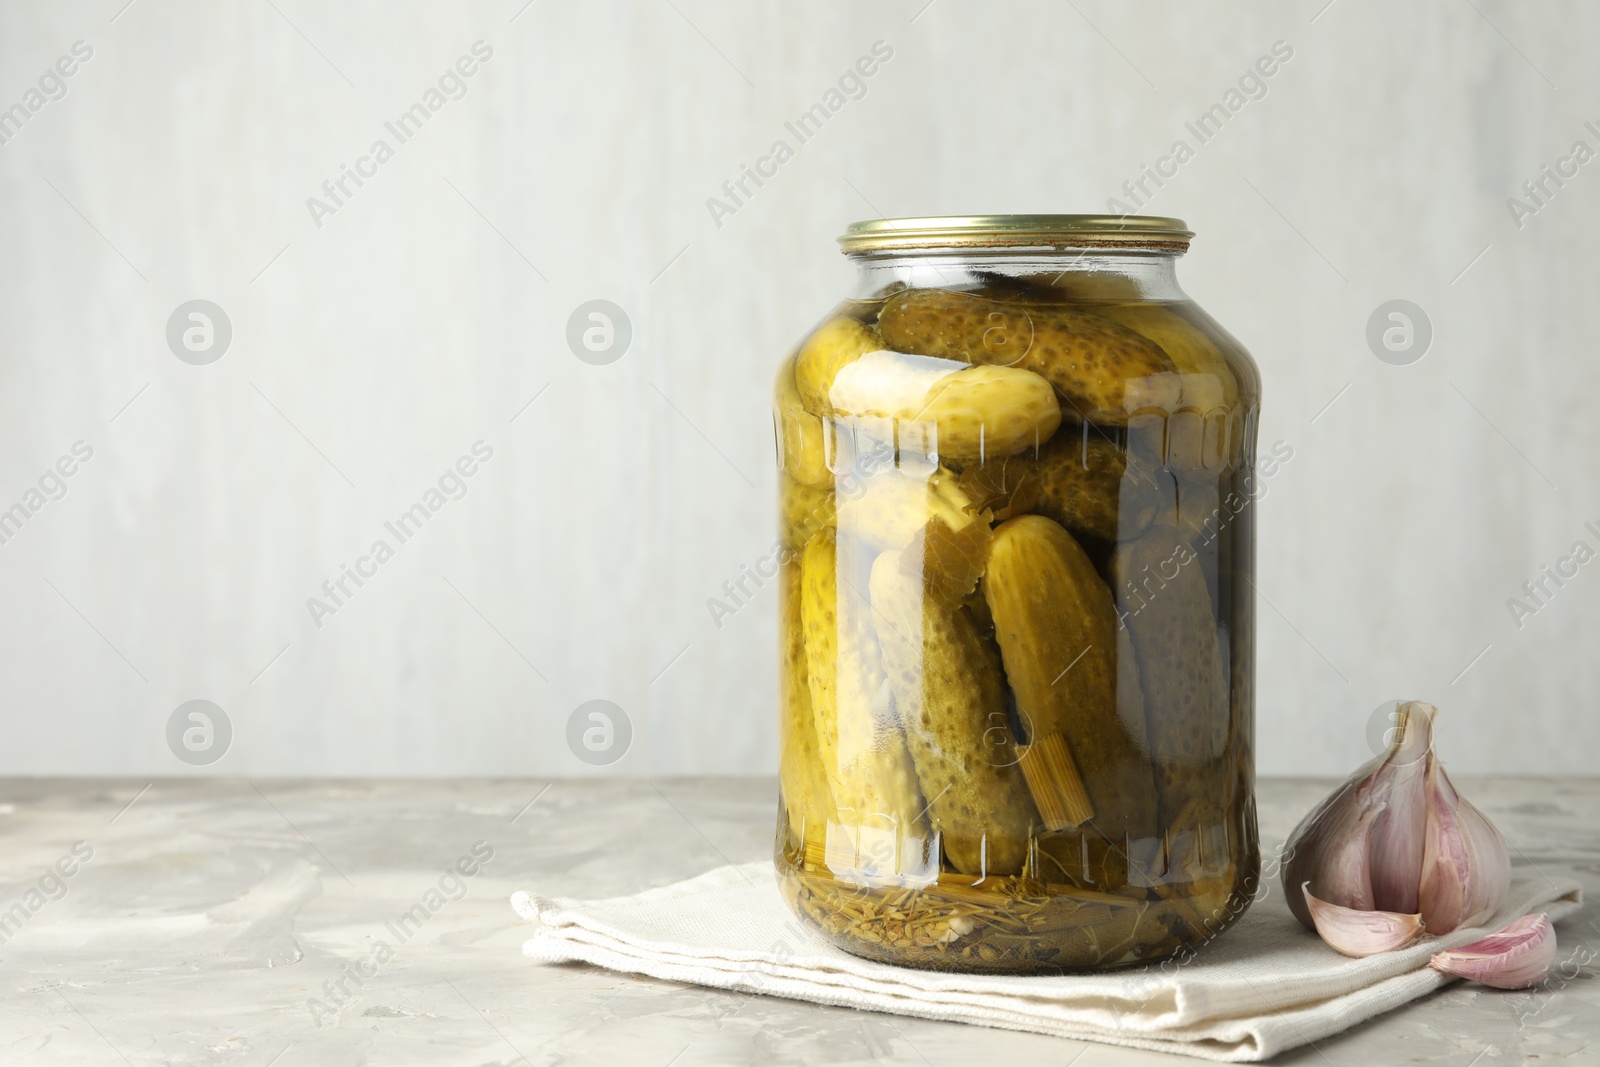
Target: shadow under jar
1016	623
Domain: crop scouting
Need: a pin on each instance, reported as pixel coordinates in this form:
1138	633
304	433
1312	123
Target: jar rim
1153	232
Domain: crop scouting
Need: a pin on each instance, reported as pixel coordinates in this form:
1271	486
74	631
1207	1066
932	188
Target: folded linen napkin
1262	987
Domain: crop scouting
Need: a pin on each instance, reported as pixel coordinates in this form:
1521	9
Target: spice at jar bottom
1016	621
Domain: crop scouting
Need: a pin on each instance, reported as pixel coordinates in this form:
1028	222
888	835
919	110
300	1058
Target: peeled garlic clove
1466	871
1515	958
1399	830
1361	933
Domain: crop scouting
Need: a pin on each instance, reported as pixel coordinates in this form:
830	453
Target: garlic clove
1329	851
1516	957
1466	870
1361	848
1344	871
1361	933
1400	827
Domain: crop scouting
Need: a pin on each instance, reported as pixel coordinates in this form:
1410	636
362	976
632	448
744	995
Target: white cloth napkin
1262	987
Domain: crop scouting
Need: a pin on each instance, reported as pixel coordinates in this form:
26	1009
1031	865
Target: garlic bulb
1515	958
1397	838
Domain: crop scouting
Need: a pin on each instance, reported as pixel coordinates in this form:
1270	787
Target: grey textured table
291	922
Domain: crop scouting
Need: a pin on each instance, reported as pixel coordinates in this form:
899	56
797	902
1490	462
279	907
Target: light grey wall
369	352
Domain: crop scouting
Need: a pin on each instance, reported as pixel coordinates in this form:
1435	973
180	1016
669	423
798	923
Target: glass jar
1016	604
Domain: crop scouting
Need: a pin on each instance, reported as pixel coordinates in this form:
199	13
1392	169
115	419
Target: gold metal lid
1016	232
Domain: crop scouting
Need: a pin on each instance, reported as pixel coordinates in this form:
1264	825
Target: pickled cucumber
831	347
946	408
1203	433
1208	382
1191	505
807	796
1087	484
802	511
1057	629
950	689
1103	370
1163	601
880	817
801	454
